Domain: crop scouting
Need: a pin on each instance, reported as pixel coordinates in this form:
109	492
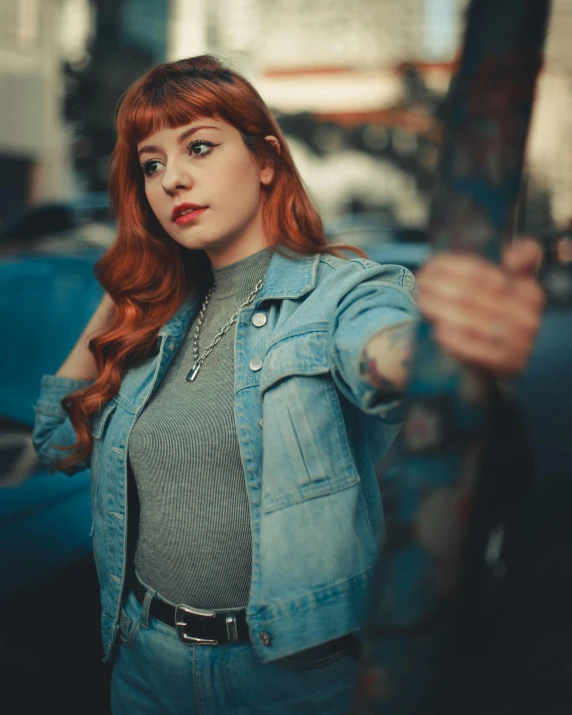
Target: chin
193	243
189	239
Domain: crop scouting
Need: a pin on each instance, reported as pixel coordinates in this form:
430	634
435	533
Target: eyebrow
180	139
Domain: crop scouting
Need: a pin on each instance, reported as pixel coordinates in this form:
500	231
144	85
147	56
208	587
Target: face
205	188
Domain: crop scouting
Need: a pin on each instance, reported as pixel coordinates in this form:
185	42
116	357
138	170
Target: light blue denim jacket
310	432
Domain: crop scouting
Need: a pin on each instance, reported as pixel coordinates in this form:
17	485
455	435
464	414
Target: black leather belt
197	627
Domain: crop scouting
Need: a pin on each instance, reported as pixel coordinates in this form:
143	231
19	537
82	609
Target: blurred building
187	29
346	66
559	47
550	143
365	34
337	54
38	143
353	85
34	155
331	71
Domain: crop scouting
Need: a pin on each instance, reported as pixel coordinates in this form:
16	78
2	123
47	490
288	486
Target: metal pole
409	628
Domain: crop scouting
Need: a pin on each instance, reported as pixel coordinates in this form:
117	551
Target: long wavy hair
145	272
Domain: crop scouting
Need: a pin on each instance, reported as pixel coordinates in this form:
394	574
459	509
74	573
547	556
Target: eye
149	167
200	148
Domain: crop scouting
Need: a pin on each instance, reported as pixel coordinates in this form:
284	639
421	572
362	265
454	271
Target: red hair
145	272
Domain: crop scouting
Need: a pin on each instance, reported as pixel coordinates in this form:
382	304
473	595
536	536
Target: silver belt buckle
181	625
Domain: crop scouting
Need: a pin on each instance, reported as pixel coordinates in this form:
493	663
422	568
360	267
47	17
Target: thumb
523	258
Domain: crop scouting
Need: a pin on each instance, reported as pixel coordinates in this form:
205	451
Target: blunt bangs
163	107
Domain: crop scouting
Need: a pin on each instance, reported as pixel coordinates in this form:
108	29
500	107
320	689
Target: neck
241	276
251	239
234	253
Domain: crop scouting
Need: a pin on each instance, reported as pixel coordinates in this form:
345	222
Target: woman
243	381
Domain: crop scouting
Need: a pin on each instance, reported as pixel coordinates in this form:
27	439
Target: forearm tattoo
386	359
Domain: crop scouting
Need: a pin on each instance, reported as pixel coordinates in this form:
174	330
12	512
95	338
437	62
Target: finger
523	258
518	322
523	305
470	272
482	286
455	315
460	293
528	293
502	359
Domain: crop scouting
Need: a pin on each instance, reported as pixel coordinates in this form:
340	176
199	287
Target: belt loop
149	596
231	629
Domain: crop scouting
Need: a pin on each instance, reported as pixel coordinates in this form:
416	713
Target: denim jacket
310	431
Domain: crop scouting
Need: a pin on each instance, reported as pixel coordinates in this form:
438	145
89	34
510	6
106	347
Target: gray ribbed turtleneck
194	543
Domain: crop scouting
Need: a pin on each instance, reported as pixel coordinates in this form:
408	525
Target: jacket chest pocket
306	452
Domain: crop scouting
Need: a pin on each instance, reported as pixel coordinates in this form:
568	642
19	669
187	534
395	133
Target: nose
175	178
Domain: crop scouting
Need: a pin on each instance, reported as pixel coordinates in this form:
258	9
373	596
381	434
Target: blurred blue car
47	295
381	240
47	291
49	595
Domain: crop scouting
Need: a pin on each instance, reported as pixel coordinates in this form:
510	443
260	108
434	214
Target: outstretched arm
484	315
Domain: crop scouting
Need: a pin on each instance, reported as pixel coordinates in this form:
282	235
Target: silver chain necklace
198	361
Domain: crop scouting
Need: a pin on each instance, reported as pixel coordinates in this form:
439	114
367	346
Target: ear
267	171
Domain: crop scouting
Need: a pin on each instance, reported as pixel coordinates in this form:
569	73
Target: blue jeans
154	673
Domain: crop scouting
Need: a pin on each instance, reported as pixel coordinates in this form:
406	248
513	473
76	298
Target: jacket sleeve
52	426
378	302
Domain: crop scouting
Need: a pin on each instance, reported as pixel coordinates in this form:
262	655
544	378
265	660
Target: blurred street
360	90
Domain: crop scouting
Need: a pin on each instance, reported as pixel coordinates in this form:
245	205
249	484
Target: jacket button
255	364
259	319
265	638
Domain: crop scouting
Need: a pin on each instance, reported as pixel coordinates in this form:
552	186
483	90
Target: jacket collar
290	275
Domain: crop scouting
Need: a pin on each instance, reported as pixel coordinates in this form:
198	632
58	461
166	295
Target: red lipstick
185	213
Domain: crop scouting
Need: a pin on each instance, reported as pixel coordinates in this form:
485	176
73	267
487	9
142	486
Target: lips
187	212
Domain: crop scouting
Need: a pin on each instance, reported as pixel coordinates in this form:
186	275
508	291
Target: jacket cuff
53	389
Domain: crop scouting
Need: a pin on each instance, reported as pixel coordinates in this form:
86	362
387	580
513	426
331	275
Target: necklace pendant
193	373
